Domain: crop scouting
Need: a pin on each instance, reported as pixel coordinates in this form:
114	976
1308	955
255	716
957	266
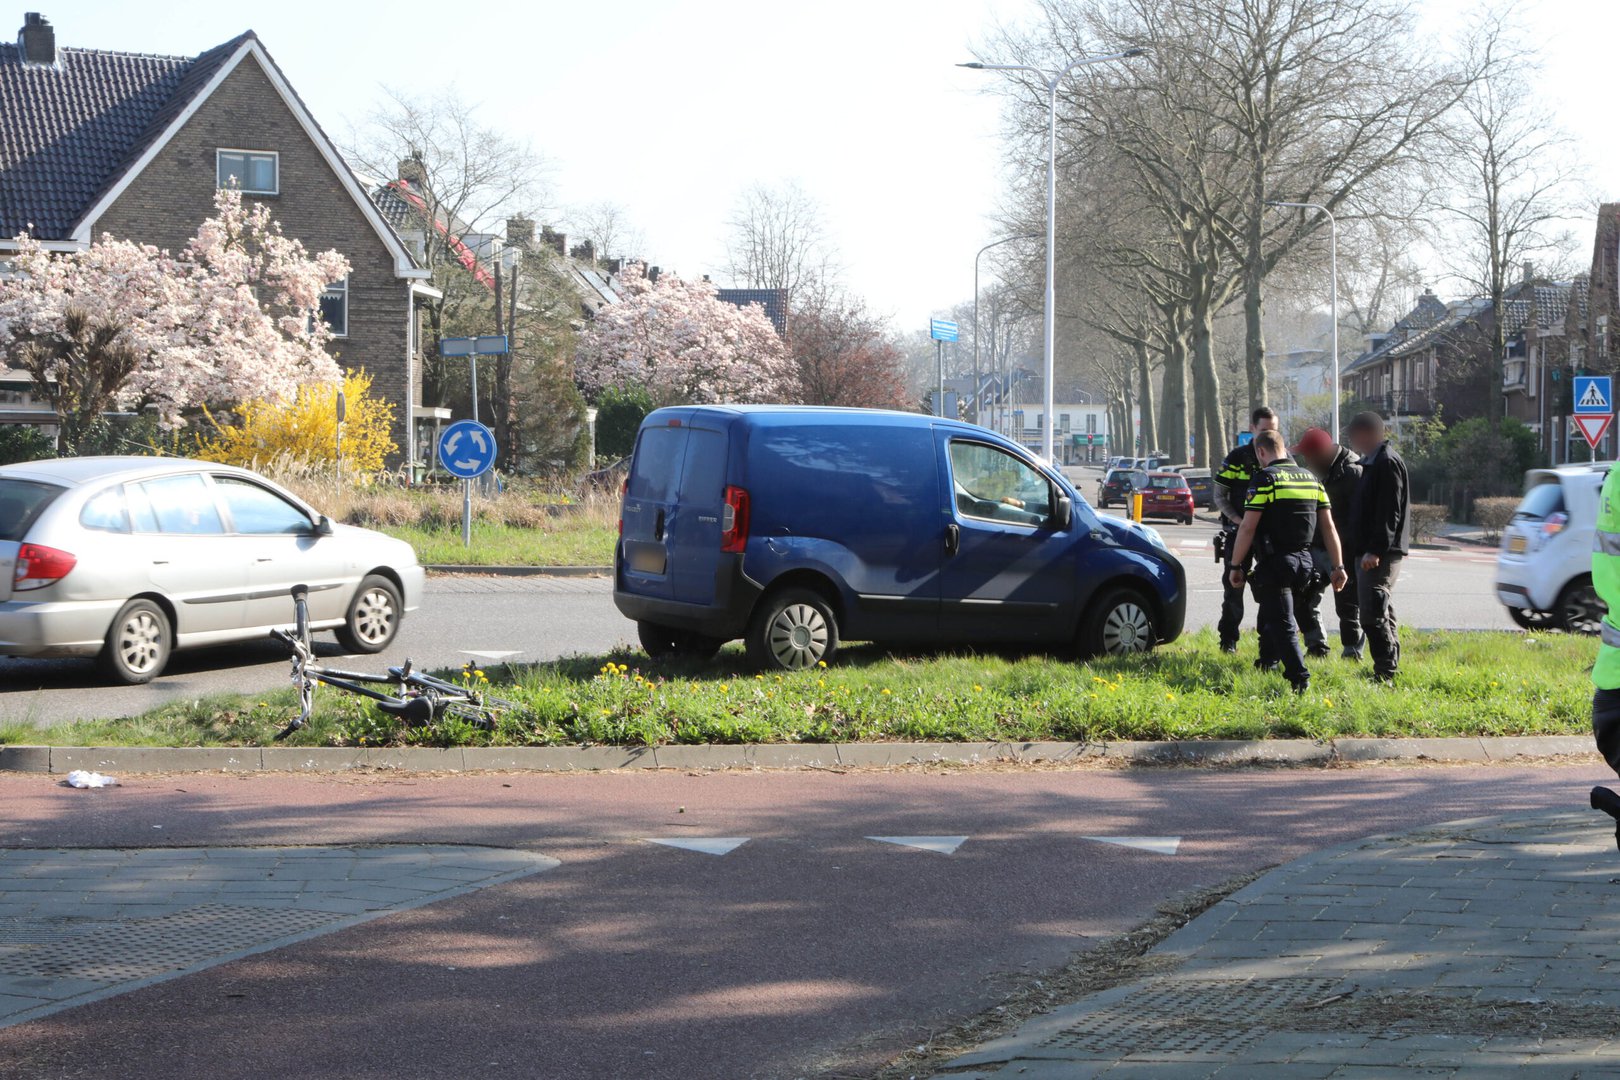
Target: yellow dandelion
821	663
977	689
885	690
725	688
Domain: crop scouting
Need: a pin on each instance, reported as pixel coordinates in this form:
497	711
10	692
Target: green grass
574	541
1452	684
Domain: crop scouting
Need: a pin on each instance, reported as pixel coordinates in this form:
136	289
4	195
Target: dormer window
254	172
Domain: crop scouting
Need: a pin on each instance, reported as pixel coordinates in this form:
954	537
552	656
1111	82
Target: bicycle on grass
417	699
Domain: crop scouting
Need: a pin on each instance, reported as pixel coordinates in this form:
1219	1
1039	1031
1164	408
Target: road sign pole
472	365
939	364
466	513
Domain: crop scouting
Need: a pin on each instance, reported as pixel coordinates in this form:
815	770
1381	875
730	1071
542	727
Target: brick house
95	142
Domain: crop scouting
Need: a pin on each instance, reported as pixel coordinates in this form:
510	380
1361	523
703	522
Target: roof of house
68	131
1427	320
774	301
1552	304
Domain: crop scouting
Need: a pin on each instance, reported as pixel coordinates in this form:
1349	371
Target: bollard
1136	506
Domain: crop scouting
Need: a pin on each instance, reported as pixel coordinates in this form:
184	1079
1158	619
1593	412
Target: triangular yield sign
945	845
1159	845
708	845
1594	427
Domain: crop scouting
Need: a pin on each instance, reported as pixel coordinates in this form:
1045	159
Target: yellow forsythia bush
305	429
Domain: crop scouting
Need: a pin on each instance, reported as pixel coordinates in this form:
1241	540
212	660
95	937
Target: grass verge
571	540
1452	684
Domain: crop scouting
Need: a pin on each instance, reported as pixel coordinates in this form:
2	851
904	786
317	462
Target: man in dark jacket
1339	470
1380	539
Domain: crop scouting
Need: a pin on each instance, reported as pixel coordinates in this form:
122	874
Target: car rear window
655	472
1542	501
21	503
1174	483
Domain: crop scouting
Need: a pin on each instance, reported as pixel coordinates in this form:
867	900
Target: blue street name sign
1594	395
467	449
490	345
456	346
942	330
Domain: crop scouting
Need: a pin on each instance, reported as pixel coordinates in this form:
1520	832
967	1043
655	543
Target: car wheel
1579	609
373	618
792	630
1120	625
1530	619
138	644
663	642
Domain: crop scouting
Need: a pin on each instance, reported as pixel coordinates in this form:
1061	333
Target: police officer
1606	673
1285	509
1339	470
1231	488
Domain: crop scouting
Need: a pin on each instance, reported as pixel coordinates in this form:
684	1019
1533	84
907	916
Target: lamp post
978	387
1333	293
1052	79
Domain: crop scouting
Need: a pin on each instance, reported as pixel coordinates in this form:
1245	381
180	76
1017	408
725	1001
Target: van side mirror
323	525
1063	512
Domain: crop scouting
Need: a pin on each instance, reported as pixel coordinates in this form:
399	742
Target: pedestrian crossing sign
1593	395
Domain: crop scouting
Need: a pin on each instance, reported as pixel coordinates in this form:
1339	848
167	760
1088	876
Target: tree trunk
1206	381
1173	414
1144	372
1254	334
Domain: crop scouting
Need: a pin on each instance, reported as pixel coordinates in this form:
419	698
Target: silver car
128	559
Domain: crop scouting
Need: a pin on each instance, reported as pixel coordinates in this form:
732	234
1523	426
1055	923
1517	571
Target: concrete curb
522	571
62	759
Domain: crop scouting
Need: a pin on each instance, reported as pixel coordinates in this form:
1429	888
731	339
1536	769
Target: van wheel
373	617
138	644
1121	625
664	642
1579	609
792	630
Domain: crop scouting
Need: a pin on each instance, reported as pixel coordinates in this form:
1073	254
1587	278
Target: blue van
799	528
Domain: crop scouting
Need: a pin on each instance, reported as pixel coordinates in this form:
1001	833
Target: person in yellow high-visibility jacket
1606	672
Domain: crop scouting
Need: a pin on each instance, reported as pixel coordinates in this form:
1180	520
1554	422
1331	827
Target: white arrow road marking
1159	845
708	845
945	845
451	443
494	654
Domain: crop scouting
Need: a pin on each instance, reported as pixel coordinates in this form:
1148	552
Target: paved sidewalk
1479	949
80	924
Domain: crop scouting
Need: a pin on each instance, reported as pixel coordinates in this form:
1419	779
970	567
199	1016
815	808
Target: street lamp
978	387
1053	79
1333	292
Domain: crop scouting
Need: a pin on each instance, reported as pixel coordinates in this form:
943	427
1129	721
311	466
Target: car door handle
160	562
265	558
953	538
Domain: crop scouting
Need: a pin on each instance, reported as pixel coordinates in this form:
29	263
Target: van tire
792	630
665	642
1121	623
138	644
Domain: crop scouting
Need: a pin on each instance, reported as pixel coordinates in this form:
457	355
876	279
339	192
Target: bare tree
777	240
608	227
1517	186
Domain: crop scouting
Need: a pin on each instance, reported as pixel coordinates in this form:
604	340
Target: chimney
520	232
413	170
653	272
554	240
1529	272
585	252
36	41
615	267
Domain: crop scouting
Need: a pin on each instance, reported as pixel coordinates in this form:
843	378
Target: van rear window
21	503
655	472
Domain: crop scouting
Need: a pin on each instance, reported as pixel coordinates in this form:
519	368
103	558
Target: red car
1168	496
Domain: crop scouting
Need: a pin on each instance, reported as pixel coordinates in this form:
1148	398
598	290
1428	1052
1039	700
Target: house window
335	307
255	172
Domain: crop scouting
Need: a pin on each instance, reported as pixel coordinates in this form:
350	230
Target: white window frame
272	154
337	286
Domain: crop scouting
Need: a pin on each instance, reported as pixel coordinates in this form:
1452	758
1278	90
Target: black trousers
1375	593
1606	726
1345	604
1280	582
1231	622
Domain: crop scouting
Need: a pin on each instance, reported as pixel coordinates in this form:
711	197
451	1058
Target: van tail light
734	521
39	566
624	493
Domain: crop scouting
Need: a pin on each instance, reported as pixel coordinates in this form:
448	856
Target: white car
1544	568
128	559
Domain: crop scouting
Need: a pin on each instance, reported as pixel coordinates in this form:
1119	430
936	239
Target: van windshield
21	503
1542	501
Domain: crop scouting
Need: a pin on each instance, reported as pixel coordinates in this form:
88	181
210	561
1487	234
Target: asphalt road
543	618
808	950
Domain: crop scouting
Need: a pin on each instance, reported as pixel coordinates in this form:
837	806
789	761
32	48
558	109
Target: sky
671	109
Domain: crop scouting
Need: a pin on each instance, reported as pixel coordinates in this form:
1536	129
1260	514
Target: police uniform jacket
1289	497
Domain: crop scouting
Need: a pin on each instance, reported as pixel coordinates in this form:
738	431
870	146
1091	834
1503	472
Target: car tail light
39	566
734	521
1554	524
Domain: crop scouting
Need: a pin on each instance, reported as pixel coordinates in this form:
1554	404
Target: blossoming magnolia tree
121	325
685	345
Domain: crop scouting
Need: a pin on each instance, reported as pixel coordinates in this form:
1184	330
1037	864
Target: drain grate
140	948
1192	1016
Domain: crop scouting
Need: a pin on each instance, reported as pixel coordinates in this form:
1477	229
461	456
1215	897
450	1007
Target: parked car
1544	566
1167	496
128	559
797	529
1202	484
1118	485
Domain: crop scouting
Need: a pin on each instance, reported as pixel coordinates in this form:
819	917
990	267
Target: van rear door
651	500
694	527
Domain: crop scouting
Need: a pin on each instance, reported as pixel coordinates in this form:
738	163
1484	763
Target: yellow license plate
1517	545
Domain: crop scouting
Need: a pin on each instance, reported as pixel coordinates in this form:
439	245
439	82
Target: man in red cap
1339	470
